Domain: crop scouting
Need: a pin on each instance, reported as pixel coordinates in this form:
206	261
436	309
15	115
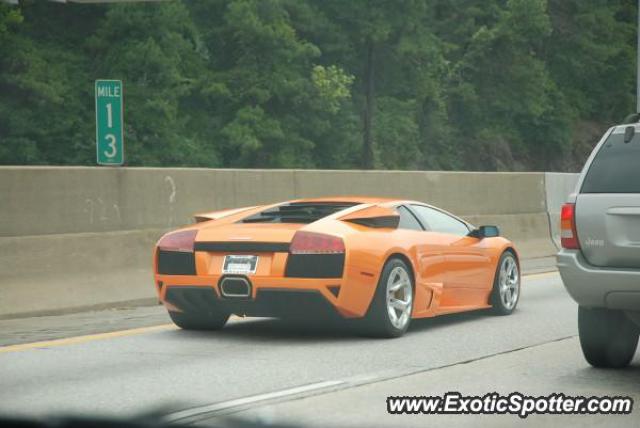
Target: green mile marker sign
109	135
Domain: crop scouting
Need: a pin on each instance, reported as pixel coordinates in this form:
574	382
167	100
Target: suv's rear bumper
593	286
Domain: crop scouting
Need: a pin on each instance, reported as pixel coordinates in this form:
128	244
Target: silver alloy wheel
399	297
509	282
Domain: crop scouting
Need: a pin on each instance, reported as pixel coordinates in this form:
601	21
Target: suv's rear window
616	167
298	212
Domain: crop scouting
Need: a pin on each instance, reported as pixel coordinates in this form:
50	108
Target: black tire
192	321
498	305
377	322
607	337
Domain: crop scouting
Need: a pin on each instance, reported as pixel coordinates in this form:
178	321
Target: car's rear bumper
348	296
266	303
593	286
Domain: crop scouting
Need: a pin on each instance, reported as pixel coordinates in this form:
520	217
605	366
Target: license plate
240	264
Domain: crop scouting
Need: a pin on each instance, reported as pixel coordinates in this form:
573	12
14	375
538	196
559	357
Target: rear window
616	167
298	212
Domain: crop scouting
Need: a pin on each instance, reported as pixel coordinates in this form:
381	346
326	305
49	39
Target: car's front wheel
199	321
607	337
390	311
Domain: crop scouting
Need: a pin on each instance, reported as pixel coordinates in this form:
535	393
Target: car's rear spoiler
374	216
216	215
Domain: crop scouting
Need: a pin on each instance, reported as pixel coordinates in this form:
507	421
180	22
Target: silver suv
600	257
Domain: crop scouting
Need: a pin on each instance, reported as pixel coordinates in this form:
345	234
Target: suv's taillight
568	234
178	241
315	243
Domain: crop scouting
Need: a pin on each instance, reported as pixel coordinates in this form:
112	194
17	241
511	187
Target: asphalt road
541	370
311	374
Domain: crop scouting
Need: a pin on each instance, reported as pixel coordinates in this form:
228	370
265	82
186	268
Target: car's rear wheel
390	311
199	321
607	337
506	285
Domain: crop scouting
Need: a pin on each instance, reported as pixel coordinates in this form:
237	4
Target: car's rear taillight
568	234
178	241
315	243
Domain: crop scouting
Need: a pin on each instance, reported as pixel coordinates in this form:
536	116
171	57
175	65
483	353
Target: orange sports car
384	261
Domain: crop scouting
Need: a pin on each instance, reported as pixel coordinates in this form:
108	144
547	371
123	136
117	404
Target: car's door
430	262
429	251
467	264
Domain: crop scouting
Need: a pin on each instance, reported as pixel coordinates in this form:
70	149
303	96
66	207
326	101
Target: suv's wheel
506	285
607	337
390	311
197	321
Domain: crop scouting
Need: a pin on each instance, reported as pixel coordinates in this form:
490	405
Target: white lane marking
202	413
246	401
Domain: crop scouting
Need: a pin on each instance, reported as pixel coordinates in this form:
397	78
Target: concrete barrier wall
38	201
50	200
51	273
79	236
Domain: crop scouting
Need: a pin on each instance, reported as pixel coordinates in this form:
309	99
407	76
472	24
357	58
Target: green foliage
448	84
9	18
333	86
397	134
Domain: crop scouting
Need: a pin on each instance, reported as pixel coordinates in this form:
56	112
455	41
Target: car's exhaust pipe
235	287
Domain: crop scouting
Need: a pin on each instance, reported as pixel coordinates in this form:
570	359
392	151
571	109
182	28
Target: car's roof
356	199
620	129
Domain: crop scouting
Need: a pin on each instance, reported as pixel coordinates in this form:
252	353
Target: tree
156	50
399	84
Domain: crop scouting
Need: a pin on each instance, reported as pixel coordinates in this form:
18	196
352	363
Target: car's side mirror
485	232
629	132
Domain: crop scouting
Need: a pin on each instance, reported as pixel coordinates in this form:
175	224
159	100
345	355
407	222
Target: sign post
109	132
